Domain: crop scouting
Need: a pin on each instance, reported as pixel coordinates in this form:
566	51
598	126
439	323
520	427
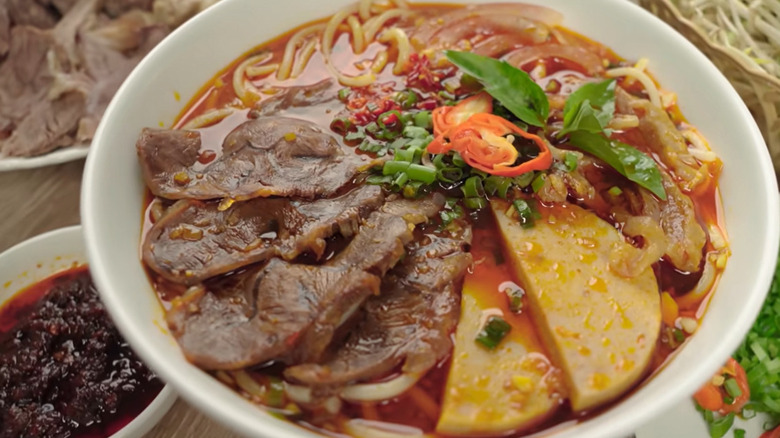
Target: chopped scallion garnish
526	211
494	330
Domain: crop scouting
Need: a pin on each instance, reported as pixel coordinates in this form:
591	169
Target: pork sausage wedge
600	328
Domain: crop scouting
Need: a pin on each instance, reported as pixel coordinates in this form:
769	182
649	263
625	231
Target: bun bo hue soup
432	220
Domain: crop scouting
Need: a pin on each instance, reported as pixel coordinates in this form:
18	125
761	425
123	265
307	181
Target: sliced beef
175	12
297	97
115	8
30	13
197	240
269	156
410	322
5	31
49	129
291	311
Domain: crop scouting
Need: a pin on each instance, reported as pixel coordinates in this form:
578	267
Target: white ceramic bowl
113	192
42	256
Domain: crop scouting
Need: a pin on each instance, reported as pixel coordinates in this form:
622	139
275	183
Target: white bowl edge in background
55	251
113	190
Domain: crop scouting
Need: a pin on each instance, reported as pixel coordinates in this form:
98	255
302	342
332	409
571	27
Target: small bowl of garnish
64	368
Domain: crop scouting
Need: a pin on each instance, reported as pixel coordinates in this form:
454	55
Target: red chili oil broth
493	266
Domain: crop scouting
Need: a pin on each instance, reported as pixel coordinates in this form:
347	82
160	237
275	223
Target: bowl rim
90	210
38	250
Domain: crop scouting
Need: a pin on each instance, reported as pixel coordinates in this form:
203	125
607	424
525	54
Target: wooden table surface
39	200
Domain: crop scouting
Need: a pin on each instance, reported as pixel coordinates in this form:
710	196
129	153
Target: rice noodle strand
208	118
402	44
358	43
303	59
327	45
241	86
285	67
643	78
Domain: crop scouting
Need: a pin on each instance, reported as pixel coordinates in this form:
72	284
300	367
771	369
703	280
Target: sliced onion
297	393
372	392
361	428
590	62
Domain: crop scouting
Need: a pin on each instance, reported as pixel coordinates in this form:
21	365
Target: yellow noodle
379	62
402	44
364	9
640	65
372	26
285	67
208	118
624	121
403	4
303	58
643	78
358	44
254	71
327	45
240	86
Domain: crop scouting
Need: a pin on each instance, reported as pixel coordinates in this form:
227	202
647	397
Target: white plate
58	156
45	255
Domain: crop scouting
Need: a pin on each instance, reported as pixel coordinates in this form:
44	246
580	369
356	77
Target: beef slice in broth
268	156
291	311
410	322
196	240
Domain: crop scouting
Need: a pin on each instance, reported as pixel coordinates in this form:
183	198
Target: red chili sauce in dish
65	371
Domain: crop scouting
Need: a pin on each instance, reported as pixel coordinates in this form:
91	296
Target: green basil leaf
590	108
511	86
627	160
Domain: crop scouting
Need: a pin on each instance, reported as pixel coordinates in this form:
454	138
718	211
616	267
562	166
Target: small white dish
64	155
41	257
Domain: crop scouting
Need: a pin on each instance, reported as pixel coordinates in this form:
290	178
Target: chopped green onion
615	191
494	330
407	99
415	132
438	161
404	155
473	188
341	125
719	426
515	295
475	203
732	387
372	128
371	107
526	210
275	397
355	135
524	179
418	172
497	185
451	212
399	182
344	94
394	115
678	335
393	167
570	161
412	189
379	179
538	182
449	174
368	146
423	119
457	160
739	433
